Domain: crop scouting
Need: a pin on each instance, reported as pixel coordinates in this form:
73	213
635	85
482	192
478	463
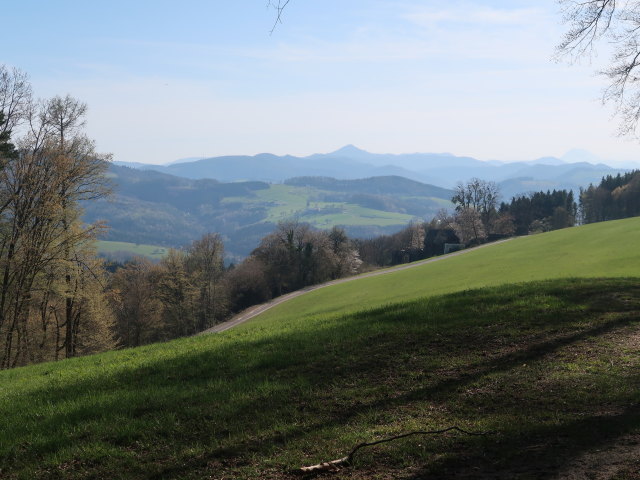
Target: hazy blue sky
167	79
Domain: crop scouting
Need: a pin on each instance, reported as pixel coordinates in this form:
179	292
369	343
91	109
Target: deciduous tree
469	227
616	23
15	98
205	263
135	301
46	257
479	195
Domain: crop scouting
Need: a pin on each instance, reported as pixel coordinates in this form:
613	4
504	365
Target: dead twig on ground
335	465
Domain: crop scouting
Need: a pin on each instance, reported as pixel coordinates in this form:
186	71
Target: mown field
549	369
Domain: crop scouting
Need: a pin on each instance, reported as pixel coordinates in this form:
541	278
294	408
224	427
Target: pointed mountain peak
350	150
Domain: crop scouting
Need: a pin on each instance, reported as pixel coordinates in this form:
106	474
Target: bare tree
616	22
136	304
179	295
7	149
15	97
42	239
205	263
81	177
295	256
248	284
469	227
479	195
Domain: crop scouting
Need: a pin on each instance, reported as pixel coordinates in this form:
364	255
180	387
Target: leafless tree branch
618	23
279	7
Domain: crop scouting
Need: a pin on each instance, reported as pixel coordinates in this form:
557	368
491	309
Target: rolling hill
594	250
123	251
545	370
243	197
150	207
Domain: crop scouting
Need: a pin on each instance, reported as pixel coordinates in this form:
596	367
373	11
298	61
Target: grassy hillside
550	367
602	249
110	249
283	202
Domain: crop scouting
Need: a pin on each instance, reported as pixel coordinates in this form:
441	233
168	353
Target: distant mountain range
244	197
441	169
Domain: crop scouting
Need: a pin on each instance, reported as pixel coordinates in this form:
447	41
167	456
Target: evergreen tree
7	149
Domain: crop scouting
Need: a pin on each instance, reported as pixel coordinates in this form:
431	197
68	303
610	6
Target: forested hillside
160	209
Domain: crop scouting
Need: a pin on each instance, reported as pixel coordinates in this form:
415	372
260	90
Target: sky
165	80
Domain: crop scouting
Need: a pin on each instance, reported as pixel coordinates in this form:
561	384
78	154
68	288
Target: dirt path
256	310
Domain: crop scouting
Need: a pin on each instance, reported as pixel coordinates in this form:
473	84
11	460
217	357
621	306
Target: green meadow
152	251
285	202
534	342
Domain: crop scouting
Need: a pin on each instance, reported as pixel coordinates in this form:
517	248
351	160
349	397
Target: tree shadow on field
398	357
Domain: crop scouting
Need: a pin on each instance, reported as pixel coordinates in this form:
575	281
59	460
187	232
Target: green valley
283	202
155	208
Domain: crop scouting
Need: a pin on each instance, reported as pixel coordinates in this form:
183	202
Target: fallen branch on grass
335	465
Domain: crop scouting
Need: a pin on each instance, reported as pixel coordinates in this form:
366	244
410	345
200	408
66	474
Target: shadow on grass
540	451
240	399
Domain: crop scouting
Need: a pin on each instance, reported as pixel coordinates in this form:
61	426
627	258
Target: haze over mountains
574	170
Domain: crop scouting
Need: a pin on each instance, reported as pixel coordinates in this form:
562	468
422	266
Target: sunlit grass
608	249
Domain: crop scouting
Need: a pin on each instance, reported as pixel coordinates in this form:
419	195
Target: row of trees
182	295
477	218
417	241
189	291
57	300
51	284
